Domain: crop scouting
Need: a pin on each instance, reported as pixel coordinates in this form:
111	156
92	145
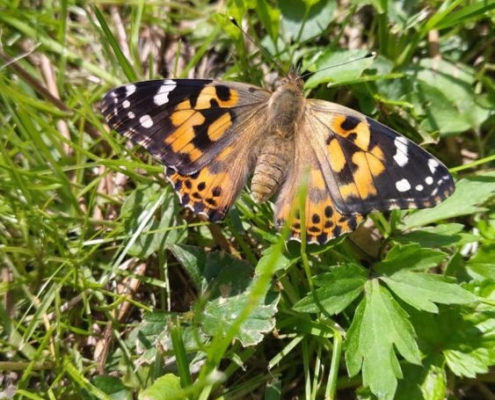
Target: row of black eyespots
320	236
193	196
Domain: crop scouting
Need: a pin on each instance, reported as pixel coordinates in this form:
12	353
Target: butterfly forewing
184	123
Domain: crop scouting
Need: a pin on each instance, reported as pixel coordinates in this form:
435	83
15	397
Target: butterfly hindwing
212	190
322	220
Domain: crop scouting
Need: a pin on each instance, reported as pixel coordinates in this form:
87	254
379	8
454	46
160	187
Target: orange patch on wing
336	124
369	166
363	136
183	106
210	93
348	190
224	154
181	140
376	160
361	131
218	128
336	158
186	117
363	176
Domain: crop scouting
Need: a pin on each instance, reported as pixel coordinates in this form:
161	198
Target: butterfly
212	135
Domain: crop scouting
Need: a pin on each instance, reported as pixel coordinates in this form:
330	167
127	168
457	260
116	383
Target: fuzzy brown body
277	151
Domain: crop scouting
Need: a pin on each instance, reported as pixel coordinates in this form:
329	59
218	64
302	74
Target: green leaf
437	236
470	193
338	66
409	257
156	329
425	382
112	386
152	225
468	13
273	260
378	325
465	340
270	18
193	259
422	290
226	282
229	294
481	265
305	19
338	288
166	387
447	89
469	349
353	354
470	363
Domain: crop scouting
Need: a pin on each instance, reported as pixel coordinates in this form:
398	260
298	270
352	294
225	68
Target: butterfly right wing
370	167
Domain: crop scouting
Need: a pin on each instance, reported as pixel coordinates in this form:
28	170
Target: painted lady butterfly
212	135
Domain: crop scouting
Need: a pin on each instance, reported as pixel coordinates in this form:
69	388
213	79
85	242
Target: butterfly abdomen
274	160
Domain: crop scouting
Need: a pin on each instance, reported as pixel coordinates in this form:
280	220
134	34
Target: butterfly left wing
370	167
201	130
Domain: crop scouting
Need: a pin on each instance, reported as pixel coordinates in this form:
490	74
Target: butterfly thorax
276	155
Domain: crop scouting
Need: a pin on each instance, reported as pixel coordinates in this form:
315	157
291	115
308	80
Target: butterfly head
294	79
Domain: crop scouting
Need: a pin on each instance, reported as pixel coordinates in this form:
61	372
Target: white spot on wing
429	180
126	104
400	155
146	121
419	188
131	115
129	89
433	165
403	185
161	96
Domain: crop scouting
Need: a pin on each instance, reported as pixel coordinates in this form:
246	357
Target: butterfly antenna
261	48
368	55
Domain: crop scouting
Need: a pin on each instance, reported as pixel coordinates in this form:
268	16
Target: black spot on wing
223	92
350	123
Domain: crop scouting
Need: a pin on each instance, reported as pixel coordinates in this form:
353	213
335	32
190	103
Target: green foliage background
110	291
